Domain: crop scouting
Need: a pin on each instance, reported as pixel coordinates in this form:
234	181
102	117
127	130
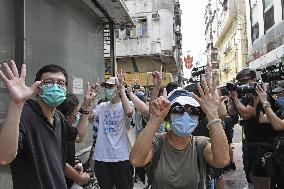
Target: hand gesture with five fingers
157	77
120	81
15	83
261	93
160	107
209	100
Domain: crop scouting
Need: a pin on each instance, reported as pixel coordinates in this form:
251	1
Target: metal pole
113	63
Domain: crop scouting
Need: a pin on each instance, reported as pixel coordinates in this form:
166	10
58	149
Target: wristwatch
84	111
266	104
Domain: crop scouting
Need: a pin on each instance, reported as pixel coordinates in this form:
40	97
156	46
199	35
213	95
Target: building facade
154	41
227	38
265	28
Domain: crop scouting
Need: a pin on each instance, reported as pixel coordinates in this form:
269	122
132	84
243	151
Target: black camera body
272	73
198	71
242	89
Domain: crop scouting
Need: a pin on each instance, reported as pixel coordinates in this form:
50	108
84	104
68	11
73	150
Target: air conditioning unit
155	16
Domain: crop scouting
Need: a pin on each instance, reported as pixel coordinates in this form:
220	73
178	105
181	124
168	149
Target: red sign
188	60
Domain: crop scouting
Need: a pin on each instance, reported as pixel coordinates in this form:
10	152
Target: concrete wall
7	46
268	47
64	32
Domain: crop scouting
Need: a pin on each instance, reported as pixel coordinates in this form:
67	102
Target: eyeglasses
50	83
187	108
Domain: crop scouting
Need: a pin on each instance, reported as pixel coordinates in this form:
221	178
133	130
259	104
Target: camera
272	73
198	71
241	89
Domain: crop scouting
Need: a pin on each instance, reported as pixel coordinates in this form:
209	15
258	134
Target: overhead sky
193	29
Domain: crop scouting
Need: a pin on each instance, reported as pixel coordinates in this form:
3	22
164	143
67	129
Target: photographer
274	161
258	138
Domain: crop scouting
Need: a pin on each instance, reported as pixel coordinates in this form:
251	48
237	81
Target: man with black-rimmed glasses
34	134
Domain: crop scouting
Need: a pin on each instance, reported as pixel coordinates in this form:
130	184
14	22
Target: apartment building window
268	15
254	20
214	56
143	27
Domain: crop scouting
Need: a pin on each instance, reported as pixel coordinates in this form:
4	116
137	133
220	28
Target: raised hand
208	74
15	83
160	107
157	77
95	88
120	80
209	100
90	95
129	89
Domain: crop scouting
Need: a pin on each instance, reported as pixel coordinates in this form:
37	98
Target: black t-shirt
70	159
41	157
253	130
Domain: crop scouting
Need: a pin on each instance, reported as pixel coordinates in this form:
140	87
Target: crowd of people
179	137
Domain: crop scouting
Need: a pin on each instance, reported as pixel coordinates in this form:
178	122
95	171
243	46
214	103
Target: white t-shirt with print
112	143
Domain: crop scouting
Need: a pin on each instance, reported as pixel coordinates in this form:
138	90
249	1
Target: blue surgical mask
280	101
53	96
76	121
110	94
183	124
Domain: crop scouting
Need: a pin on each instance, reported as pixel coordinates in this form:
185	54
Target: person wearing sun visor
176	159
184	112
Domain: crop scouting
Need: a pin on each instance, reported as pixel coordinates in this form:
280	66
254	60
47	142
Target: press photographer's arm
275	121
245	112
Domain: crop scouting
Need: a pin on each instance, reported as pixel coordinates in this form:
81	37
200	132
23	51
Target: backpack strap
154	163
201	164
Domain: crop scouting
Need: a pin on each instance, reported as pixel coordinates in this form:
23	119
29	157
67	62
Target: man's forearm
83	123
275	121
242	109
10	133
82	127
222	111
71	173
139	105
128	109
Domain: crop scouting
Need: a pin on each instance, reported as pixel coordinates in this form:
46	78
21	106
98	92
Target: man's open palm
15	83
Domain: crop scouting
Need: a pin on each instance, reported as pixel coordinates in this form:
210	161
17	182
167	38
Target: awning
111	10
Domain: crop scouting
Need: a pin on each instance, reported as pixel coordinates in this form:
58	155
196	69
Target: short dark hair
246	73
192	88
171	86
68	106
53	69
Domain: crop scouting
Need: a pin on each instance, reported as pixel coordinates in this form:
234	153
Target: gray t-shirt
179	168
